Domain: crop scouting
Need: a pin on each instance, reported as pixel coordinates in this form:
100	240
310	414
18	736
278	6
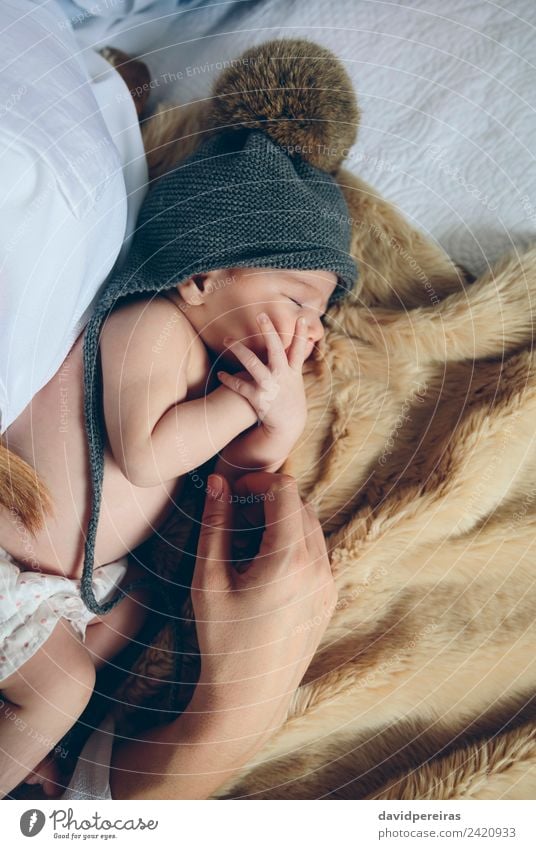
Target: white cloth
73	175
91	777
31	604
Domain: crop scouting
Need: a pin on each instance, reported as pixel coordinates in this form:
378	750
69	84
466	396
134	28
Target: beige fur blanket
420	454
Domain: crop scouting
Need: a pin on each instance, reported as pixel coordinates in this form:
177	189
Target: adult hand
258	629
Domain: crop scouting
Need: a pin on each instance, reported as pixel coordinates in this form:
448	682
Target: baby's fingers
248	358
277	357
238	384
298	348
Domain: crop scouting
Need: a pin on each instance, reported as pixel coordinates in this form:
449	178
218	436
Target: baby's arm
187	435
154	434
251	451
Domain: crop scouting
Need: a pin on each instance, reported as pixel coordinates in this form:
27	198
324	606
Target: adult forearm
190	758
188	435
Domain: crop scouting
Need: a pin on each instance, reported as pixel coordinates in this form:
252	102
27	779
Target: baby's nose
315	329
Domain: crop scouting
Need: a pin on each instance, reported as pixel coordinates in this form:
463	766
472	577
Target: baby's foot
134	72
48	775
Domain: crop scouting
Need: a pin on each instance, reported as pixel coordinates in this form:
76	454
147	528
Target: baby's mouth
263	355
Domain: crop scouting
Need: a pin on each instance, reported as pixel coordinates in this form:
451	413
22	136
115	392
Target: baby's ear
207	284
190	292
196	289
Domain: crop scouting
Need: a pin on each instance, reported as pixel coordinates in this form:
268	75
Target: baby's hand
275	391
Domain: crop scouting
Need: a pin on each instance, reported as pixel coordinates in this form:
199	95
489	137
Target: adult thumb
214	545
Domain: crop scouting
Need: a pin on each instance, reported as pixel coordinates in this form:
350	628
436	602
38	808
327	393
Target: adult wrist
239	730
189	758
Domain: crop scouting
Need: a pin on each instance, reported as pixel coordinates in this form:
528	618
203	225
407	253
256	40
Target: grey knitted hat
243	199
238	201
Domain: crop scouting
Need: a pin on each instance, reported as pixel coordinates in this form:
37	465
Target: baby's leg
105	637
41	701
109	634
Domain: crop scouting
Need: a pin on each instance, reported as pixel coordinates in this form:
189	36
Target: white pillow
70	154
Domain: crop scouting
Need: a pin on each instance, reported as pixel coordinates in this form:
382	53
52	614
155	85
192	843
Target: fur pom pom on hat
248	197
238	201
296	92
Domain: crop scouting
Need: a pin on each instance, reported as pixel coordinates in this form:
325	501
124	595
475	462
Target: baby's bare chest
50	435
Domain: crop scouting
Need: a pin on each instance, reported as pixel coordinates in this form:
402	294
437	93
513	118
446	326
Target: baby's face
227	302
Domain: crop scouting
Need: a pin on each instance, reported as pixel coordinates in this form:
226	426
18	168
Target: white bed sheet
448	96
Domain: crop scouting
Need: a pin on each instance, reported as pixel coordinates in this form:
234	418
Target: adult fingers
313	533
318	557
254	490
213	559
256	483
283	516
250	490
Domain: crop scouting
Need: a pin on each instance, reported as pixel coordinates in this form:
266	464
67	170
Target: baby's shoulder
151	316
147	330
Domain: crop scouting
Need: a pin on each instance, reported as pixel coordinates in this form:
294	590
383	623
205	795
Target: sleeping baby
195	351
